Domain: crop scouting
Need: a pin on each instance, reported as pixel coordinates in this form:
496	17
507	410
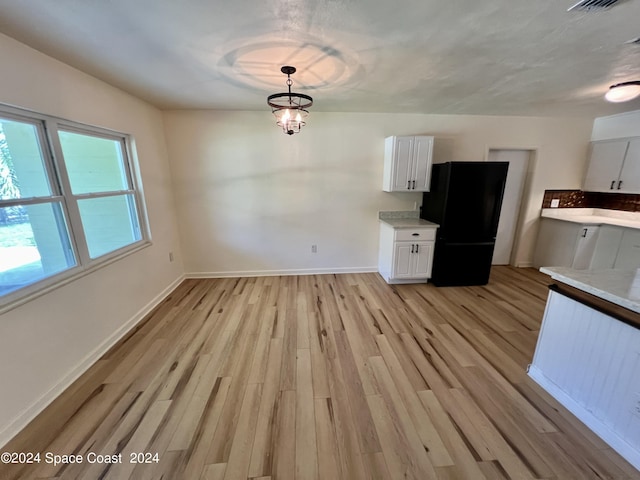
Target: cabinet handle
414	185
409	185
584	233
412	248
613	182
619	184
417	248
415	234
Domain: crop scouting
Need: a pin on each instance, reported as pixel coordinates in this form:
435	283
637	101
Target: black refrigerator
465	200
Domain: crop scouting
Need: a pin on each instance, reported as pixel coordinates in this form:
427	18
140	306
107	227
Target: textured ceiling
497	57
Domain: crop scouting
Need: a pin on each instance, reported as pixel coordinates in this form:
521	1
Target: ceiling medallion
290	108
623	92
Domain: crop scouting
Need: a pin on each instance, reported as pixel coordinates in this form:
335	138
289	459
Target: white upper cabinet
614	166
407	164
629	181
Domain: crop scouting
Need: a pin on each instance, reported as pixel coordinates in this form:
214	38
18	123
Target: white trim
524	265
627	451
65	382
405	281
279	273
25	294
48	129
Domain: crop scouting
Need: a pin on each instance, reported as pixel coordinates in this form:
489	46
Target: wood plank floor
323	377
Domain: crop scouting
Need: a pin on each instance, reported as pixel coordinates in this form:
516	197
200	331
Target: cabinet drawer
406	234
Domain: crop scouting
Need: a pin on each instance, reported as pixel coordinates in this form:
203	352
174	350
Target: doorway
512	201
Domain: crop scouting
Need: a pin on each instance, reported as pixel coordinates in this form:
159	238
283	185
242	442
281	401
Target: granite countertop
594	216
405	219
408	222
620	287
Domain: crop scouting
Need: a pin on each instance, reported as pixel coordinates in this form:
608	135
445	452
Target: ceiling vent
593	5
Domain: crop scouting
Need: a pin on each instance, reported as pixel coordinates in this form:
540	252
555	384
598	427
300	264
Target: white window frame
48	127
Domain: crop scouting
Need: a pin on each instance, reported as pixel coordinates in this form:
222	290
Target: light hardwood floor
324	377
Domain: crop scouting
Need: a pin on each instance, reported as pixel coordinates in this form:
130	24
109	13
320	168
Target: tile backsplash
578	199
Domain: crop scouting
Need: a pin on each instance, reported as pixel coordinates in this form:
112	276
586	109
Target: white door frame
524	197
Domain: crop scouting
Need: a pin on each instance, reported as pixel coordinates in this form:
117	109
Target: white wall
253	200
46	342
249	198
616	126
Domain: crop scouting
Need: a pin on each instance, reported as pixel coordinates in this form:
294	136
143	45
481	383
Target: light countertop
594	216
405	219
408	222
621	287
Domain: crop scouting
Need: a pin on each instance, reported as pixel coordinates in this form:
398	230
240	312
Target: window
69	201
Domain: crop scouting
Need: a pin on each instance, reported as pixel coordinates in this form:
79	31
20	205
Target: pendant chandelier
290	108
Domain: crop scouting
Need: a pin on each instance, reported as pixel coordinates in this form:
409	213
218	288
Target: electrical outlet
171	256
555	203
314	248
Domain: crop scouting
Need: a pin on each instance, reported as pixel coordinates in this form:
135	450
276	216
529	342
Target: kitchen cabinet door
629	252
423	259
629	181
607	245
407	164
585	247
402	170
605	164
403	260
422	159
413	260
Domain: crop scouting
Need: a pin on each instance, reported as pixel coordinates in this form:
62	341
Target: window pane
109	223
22	171
94	164
34	244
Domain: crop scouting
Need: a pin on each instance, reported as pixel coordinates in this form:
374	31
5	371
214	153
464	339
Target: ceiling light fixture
290	109
623	92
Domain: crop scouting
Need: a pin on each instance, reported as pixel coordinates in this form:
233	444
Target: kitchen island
588	352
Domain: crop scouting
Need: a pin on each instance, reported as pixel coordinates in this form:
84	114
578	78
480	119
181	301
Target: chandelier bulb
290	108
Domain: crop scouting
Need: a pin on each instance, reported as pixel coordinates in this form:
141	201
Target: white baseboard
33	410
278	273
627	451
524	265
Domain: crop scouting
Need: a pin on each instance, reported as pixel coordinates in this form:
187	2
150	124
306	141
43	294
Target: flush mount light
623	92
290	108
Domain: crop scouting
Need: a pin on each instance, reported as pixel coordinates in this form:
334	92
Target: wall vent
592	5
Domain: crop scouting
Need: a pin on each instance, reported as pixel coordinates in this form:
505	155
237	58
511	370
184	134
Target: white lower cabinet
406	254
412	260
586	247
565	244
